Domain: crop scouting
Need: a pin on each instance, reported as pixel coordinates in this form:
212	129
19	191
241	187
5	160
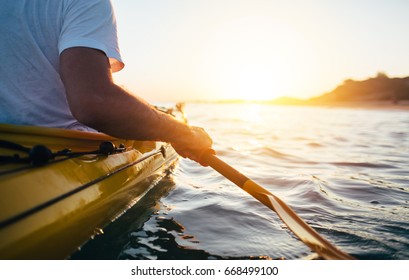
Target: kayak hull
48	212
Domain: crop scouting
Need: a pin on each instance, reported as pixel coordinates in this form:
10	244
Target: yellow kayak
58	188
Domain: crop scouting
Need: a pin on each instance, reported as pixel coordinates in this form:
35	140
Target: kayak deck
48	211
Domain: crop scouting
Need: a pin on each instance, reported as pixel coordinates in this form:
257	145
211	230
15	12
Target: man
56	63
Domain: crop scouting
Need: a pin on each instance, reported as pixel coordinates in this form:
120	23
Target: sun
252	82
253	58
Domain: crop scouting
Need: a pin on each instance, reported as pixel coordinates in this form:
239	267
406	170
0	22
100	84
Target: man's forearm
121	114
96	101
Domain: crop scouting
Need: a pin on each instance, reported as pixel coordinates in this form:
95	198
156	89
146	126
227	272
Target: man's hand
193	143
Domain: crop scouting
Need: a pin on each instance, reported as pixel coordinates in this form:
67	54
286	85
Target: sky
188	50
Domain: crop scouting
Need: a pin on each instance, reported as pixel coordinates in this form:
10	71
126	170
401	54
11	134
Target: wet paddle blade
300	228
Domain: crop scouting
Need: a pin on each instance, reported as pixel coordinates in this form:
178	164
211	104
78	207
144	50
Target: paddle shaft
300	228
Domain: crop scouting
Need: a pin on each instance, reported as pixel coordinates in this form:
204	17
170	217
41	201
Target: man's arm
96	101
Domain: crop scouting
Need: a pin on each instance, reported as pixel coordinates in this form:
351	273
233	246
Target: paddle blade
300	228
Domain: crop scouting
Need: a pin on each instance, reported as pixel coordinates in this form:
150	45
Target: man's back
33	34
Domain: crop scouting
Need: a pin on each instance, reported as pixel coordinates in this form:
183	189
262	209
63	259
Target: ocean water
344	171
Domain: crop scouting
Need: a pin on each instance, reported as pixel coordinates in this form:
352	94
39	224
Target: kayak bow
49	208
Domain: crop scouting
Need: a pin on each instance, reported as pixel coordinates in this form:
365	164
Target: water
344	171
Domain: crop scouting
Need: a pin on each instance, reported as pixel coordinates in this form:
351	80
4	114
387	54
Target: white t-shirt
33	33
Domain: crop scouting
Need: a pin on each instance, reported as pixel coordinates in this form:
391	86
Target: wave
363	164
315	145
270	152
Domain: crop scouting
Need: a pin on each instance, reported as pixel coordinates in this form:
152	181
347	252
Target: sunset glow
253	58
256	50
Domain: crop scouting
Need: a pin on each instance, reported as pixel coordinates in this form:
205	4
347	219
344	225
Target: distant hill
379	88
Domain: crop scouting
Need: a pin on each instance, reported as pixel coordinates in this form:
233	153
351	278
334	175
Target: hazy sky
181	50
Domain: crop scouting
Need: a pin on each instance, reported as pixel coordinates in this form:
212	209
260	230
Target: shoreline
374	105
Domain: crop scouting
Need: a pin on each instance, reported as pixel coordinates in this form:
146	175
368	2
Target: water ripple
344	171
363	164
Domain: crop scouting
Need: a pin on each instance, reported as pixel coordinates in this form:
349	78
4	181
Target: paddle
300	228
